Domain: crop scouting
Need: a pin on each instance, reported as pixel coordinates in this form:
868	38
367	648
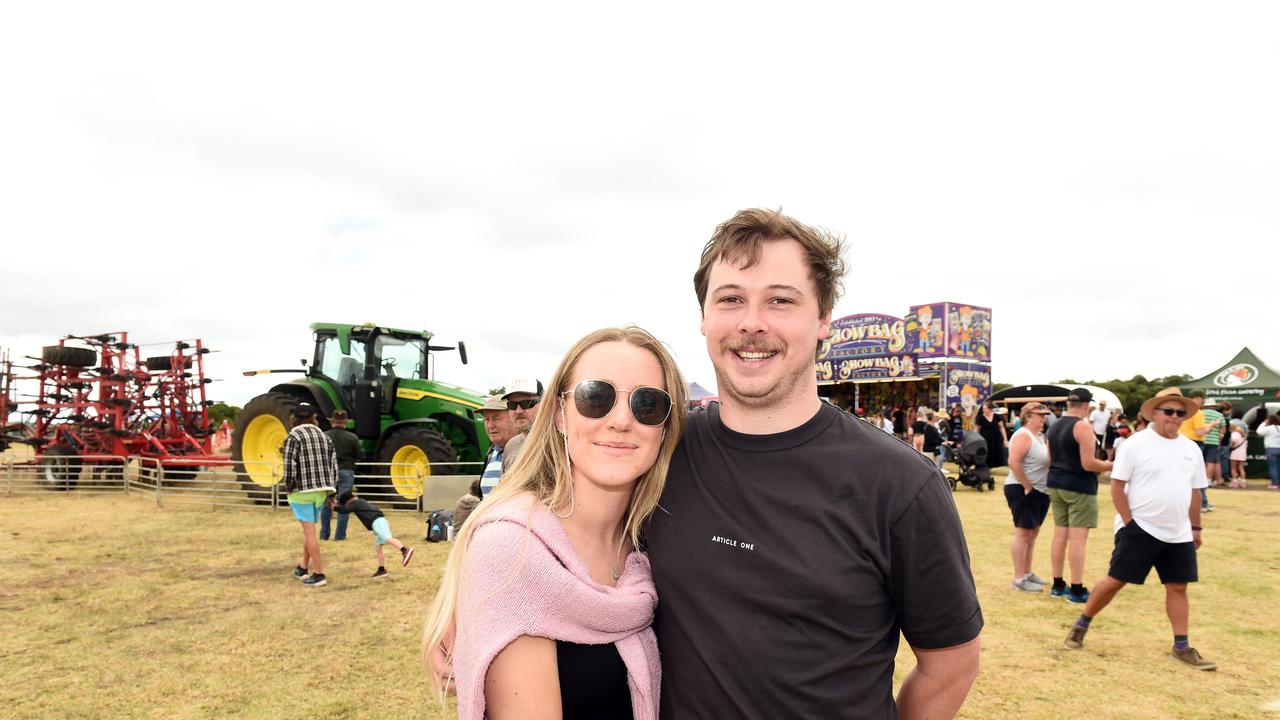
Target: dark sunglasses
525	404
596	398
1173	412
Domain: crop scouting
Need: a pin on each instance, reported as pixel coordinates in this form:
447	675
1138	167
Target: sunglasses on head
1173	412
596	398
525	404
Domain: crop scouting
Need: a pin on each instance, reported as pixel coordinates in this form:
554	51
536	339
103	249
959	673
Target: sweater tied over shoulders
522	576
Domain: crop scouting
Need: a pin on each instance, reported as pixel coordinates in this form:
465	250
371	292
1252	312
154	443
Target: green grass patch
117	608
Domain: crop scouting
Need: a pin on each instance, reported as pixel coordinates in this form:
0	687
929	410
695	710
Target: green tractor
382	377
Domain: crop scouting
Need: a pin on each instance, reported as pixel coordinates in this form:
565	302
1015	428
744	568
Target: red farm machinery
100	401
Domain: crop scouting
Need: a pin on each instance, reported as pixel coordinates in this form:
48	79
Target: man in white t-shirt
1098	418
1155	486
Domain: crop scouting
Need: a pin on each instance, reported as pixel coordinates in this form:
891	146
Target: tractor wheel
261	429
165	362
59	470
410	450
72	356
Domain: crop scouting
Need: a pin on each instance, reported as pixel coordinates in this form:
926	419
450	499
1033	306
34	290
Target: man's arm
1088	442
1194	513
938	685
1120	500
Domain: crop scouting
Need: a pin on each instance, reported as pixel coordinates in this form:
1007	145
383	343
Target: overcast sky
1103	175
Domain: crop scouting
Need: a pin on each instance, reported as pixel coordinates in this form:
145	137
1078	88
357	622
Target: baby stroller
971	456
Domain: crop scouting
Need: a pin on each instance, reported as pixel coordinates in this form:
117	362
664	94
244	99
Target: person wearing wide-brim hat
1168	395
1155	486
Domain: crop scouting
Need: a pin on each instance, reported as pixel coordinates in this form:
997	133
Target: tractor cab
366	365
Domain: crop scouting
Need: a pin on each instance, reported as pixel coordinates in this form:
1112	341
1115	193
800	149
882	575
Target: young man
1155	488
310	477
794	542
1073	492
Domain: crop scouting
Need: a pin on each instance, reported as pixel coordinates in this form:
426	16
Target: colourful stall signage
966	385
855	369
926	330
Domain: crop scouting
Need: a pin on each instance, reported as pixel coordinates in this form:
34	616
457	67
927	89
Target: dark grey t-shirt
787	564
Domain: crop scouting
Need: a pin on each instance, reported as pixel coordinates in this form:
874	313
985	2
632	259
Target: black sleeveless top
593	682
1065	470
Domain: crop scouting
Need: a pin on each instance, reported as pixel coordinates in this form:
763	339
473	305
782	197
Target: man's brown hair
739	240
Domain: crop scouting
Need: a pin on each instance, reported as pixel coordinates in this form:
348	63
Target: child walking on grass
372	518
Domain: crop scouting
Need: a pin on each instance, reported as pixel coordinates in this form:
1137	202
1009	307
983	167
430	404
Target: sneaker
1075	638
316	580
380	573
1032	577
1207	508
1059	592
1081	598
408	555
1191	656
300	572
1025	585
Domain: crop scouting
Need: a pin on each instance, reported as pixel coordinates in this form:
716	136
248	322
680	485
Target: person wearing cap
310	477
1073	492
1155	487
1197	428
349	451
1026	490
500	429
522	397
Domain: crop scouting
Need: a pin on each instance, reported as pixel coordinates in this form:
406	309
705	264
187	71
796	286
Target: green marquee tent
1245	382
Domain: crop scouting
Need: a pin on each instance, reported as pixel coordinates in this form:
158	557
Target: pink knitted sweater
522	577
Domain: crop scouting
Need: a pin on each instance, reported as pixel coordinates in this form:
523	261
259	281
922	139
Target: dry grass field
115	608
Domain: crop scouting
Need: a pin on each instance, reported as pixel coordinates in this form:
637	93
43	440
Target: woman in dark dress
992	429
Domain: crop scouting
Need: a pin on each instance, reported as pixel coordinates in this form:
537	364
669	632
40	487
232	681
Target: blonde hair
542	469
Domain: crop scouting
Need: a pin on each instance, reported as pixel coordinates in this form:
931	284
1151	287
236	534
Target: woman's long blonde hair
542	469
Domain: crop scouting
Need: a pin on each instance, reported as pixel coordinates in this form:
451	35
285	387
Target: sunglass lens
594	398
650	406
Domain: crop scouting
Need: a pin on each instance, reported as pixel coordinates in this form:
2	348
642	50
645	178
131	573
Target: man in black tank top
1073	492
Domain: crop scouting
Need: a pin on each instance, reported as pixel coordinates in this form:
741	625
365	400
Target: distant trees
221	411
1134	391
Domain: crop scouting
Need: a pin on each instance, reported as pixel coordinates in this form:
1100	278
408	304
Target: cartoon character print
969	405
925	318
966	331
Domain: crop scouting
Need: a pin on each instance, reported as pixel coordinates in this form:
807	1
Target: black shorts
1028	511
1137	552
1210	453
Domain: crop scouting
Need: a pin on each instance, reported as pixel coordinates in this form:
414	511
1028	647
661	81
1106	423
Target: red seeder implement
100	401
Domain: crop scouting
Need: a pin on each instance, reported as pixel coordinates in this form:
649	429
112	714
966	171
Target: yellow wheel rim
260	450
408	465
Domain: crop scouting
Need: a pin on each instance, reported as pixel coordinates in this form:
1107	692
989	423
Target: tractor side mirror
303	361
462	351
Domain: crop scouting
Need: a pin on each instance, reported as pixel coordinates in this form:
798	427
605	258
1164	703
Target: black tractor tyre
57	470
71	356
165	362
434	445
276	405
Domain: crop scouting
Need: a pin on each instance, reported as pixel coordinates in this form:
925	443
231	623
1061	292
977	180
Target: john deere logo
1241	374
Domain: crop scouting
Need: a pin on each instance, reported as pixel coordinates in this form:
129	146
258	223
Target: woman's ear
560	424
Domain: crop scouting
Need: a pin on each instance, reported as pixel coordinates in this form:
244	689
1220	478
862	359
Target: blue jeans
1273	465
346	482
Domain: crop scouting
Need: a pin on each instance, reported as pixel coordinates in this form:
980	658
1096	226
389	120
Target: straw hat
1173	393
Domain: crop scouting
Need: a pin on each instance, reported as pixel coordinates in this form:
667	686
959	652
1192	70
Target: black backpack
438	523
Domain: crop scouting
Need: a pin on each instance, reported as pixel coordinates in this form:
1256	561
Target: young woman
993	429
545	605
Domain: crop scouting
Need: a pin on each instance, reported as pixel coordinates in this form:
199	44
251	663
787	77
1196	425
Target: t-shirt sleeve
934	595
1199	479
1123	468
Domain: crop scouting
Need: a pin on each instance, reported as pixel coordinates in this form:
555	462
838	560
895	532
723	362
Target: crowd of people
610	521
